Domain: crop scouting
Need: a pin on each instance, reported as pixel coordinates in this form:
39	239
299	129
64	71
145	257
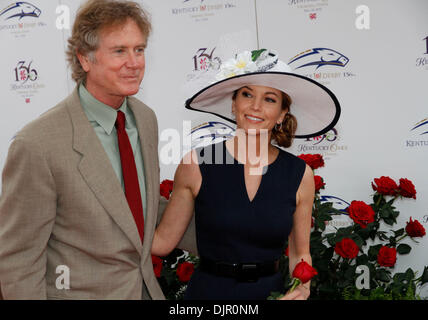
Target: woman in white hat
248	195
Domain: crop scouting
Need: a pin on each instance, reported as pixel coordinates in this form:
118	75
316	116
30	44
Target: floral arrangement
247	62
338	255
175	270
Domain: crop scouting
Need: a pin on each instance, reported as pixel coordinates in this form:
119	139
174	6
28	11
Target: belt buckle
248	272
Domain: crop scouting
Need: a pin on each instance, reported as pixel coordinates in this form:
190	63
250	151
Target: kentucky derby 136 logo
19	18
420	134
26	80
204	60
24	73
202	10
321	64
423	60
327	145
310	8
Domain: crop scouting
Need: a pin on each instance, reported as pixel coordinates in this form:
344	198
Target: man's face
119	64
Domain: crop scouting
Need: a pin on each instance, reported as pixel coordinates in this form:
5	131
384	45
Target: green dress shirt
102	118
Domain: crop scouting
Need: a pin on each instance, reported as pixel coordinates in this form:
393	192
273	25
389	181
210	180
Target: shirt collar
99	112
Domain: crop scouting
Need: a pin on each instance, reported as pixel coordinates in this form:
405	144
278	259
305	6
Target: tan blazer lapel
97	171
146	129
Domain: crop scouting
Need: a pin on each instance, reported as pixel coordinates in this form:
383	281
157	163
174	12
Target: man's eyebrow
143	45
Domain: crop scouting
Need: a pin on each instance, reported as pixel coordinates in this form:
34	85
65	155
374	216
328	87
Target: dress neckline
242	164
242	174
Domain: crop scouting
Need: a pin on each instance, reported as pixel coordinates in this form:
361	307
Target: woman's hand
300	293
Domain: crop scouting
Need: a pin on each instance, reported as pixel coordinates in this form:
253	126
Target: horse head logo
210	133
320	57
338	203
20	10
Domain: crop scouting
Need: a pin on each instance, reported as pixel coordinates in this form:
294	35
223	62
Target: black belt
243	272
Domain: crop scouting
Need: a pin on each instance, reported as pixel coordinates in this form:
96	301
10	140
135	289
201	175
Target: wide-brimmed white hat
315	107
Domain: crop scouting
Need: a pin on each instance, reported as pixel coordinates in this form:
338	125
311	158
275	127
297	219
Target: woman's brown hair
283	134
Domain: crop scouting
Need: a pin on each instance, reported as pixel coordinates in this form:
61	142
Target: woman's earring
278	128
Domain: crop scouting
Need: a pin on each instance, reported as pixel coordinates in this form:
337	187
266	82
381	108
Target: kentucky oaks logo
22	15
327	144
324	64
420	133
20	10
210	132
338	220
26	83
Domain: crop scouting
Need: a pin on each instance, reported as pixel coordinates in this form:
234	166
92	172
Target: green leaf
256	54
382	275
404	248
424	277
410	275
362	259
275	295
399	232
389	221
374	251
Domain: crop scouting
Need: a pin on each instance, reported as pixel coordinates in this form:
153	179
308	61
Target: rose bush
337	254
175	270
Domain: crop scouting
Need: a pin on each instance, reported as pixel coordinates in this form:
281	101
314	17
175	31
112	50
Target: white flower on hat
243	63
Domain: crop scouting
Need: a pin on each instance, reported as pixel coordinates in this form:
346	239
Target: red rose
319	183
407	189
286	252
387	256
304	272
415	229
185	271
385	185
347	248
361	213
166	188
315	161
157	265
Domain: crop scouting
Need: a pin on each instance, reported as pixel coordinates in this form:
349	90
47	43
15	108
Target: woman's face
258	107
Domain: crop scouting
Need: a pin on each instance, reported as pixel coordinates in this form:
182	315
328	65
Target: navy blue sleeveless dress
231	228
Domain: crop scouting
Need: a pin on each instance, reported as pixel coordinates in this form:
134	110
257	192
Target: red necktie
129	172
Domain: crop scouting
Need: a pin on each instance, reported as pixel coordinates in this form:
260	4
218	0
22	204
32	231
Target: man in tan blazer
66	228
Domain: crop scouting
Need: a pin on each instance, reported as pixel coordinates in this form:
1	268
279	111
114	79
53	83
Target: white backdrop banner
373	56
